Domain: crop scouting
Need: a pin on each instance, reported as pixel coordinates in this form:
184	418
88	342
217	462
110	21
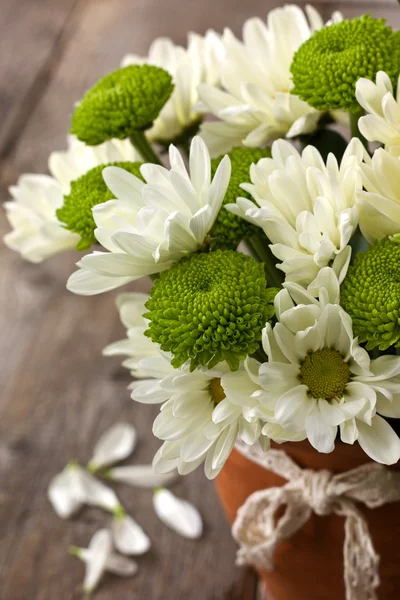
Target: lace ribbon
258	532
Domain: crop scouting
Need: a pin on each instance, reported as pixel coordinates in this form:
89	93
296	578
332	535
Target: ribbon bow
258	531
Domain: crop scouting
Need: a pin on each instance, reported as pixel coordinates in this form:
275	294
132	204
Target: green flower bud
87	191
210	307
327	66
120	103
229	229
370	294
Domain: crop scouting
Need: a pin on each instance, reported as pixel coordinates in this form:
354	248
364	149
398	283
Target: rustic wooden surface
57	392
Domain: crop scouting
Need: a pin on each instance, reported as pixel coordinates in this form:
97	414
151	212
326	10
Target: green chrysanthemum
87	191
229	229
327	66
120	103
209	308
370	294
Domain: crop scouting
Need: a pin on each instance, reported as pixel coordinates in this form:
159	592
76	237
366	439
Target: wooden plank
30	29
58	393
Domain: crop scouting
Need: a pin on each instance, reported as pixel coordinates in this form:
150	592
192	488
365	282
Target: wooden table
58	394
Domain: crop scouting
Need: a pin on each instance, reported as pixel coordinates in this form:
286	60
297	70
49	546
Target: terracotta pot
309	566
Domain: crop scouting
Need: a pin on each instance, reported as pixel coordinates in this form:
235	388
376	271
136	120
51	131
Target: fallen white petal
141	476
179	515
115	563
100	547
116	444
65	491
128	536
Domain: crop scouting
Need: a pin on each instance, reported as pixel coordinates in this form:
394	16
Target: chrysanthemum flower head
203	414
229	230
210	308
180	117
318	379
255	104
305	207
379	202
136	346
370	294
382	105
86	192
37	233
151	225
326	67
120	103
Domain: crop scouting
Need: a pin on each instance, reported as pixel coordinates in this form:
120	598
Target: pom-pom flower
180	116
370	294
210	308
37	233
86	192
326	67
382	121
120	103
229	230
379	202
305	208
255	104
318	379
203	413
150	226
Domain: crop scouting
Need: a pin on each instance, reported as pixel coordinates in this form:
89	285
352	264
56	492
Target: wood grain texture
58	394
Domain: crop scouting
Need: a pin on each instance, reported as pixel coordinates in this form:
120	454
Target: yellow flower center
217	391
325	374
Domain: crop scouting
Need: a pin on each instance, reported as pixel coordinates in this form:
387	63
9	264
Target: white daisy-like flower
177	514
382	121
319	382
306	208
141	476
154	224
379	201
136	345
99	558
188	68
255	104
37	233
203	413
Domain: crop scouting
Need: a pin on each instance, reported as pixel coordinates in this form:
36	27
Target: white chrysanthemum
382	123
37	233
255	104
188	67
318	379
379	203
305	207
136	345
154	224
203	413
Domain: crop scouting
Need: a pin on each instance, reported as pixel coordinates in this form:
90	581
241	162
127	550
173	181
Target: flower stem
355	132
140	142
259	247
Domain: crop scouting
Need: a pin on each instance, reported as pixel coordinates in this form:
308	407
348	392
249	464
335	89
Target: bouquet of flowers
272	241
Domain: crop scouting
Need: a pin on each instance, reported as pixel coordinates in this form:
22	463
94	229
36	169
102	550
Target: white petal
121	565
98	494
142	476
128	536
179	515
116	444
320	434
100	548
379	441
65	492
